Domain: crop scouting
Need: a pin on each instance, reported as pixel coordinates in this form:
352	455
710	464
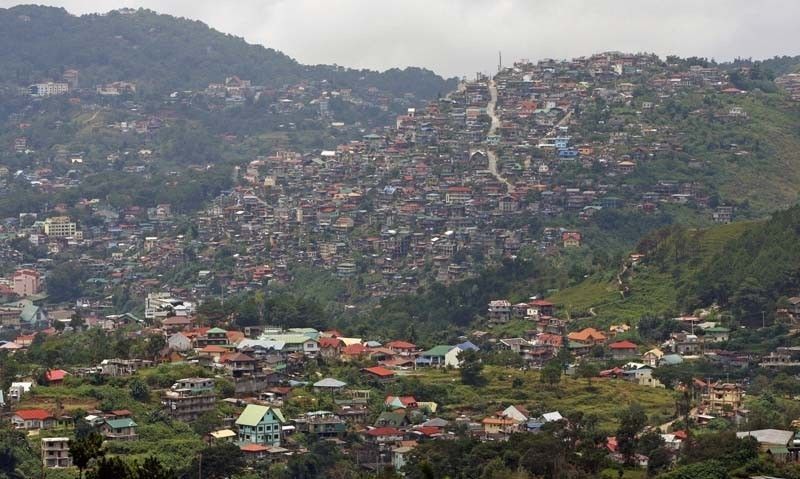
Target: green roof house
123	429
260	425
434	356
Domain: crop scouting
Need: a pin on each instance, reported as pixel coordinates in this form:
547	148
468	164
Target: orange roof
253	448
587	334
213	348
498	421
329	342
379	371
623	345
354	350
384	431
56	374
33	414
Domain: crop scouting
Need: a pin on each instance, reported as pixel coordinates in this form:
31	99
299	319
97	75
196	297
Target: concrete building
49	89
190	398
27	282
55	452
60	227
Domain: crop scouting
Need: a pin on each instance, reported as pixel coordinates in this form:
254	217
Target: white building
49	89
161	305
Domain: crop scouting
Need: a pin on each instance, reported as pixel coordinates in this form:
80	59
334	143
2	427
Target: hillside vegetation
164	53
745	268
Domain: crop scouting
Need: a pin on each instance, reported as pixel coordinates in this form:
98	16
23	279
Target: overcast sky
461	37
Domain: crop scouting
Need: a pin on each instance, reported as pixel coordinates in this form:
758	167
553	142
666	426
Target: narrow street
490	110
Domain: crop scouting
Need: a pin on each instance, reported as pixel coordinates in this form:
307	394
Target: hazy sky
460	37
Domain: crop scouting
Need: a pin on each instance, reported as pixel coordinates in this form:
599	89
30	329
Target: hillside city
565	268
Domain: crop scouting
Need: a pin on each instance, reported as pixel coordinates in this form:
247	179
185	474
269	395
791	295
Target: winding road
490	110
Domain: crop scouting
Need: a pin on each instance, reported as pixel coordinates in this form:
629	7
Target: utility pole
200	466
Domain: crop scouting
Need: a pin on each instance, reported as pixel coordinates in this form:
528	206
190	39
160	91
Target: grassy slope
652	289
769	182
605	399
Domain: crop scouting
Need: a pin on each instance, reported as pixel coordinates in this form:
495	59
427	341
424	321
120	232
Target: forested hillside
161	52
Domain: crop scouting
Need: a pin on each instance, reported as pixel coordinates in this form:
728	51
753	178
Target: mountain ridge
164	52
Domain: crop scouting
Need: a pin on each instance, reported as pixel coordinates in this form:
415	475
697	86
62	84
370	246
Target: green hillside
676	260
164	53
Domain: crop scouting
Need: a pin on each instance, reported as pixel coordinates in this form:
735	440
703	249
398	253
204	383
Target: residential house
716	334
516	412
540	308
121	429
330	348
32	419
434	357
190	398
499	425
499	311
402	348
384	436
571	239
26	282
260	425
221	435
775	443
179	342
320	424
453	357
238	364
379	374
652	357
623	350
329	384
721	398
587	336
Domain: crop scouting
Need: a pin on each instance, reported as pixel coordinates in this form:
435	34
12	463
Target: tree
632	421
64	282
111	468
76	321
84	449
218	461
139	390
155	343
551	374
658	460
17	458
470	368
206	423
587	370
9	368
152	468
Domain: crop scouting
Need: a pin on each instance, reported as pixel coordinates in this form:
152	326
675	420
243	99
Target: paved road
490	110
